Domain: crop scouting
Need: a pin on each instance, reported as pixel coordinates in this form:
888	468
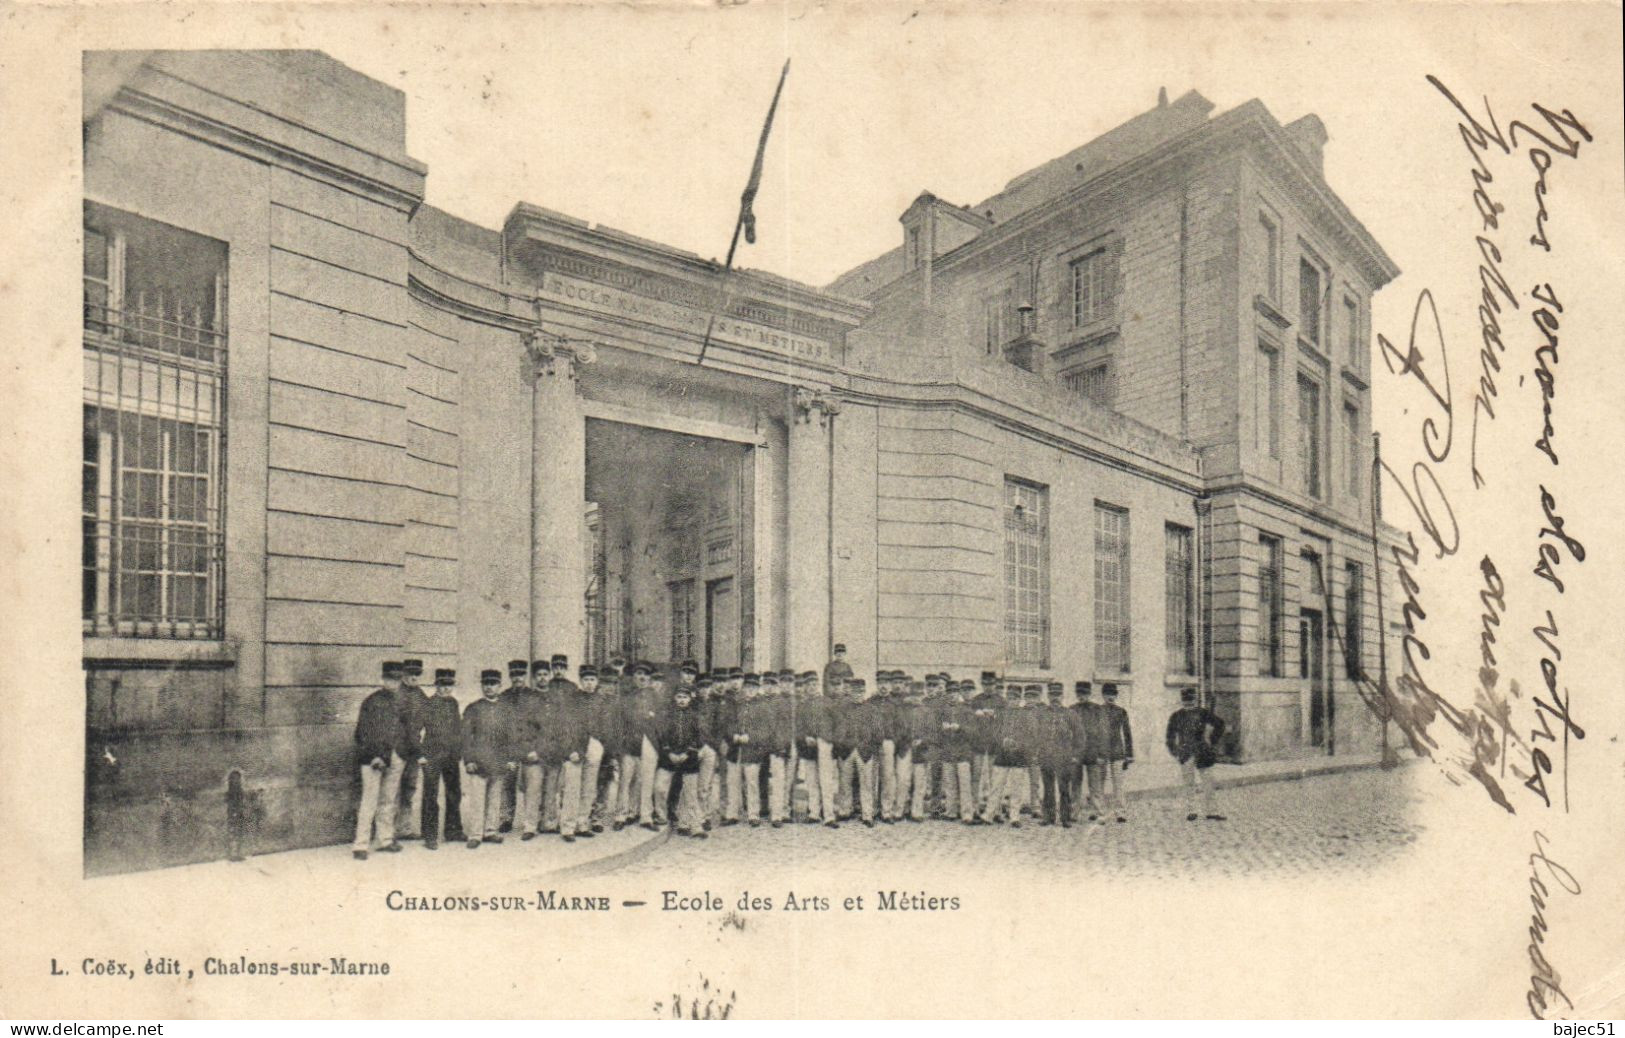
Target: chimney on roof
1310	135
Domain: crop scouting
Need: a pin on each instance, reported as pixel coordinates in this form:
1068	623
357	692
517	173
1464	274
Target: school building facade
1112	423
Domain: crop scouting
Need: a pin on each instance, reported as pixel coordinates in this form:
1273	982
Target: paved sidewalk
1161	778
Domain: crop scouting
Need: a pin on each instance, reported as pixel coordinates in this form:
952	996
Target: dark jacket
412	703
487	742
836	672
442	729
957	723
524	706
814	720
567	722
1096	730
604	720
1119	739
867	724
680	732
1194	731
922	728
756	721
377	727
1058	736
984	722
1018	733
641	714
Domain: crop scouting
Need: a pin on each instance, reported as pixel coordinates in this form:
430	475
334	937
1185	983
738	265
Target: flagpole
745	213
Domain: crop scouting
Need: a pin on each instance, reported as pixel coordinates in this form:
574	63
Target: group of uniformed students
549	755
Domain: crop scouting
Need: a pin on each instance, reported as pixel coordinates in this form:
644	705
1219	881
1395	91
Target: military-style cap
1083	688
768	677
517	668
445	676
640	667
412	668
1033	692
858	683
704	681
682	690
539	667
689	666
1187	695
752	681
392	669
1109	690
1056	689
561	660
491	676
839	647
807	675
989	675
617	660
588	670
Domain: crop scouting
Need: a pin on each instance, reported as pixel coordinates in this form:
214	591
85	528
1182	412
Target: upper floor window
1092	288
1271	232
1266	410
1351	325
1310	290
1093	383
1177	579
1309	434
680	593
1111	589
1001	318
1351	447
1026	573
153	490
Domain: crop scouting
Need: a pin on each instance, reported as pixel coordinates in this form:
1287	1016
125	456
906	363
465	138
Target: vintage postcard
813	510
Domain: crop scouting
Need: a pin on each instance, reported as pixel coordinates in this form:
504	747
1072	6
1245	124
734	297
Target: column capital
544	351
806	402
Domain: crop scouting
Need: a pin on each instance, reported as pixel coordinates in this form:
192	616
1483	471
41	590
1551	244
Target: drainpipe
1184	241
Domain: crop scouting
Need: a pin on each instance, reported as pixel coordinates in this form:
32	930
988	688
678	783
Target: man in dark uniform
557	688
1193	737
566	750
837	672
641	712
522	789
679	740
861	725
443	749
1010	758
913	736
603	757
752	744
1095	739
378	738
411	701
956	722
488	754
1060	733
1119	749
984	728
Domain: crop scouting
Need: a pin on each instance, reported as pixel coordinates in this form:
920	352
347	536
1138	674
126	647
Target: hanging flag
747	216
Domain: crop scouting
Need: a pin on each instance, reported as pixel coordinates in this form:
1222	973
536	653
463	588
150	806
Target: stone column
558	564
807	628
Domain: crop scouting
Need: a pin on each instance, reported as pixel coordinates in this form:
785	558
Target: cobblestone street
1351	820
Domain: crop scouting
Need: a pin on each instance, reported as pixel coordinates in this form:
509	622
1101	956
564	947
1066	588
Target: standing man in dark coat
1059	735
603	757
752	743
411	701
641	712
837	672
378	740
522	789
1096	737
488	754
443	749
956	722
1193	734
984	736
1119	749
679	742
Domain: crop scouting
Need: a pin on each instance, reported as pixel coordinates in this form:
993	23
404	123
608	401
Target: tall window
1272	256
912	251
1309	308
1000	318
1266	407
1269	606
1092	277
1026	573
1309	433
154	409
1093	383
1353	617
681	595
1351	322
1351	447
1111	589
1177	580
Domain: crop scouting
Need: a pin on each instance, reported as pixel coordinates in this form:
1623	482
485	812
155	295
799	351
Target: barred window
1026	573
154	415
1177	579
1269	606
681	595
1093	383
1111	589
1353	617
1092	277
